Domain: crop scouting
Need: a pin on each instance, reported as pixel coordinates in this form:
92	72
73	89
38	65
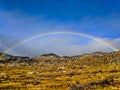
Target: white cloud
62	45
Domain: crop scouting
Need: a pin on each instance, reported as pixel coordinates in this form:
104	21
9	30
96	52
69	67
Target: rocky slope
15	60
96	71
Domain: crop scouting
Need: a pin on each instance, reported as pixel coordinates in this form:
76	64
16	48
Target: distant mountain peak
50	54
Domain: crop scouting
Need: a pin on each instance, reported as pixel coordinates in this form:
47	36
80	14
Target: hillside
96	71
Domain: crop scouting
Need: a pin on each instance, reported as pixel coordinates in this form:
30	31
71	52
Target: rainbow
63	33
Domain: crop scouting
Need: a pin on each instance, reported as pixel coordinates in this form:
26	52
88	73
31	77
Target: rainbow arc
99	40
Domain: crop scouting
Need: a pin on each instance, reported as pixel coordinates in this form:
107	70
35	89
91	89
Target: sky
21	19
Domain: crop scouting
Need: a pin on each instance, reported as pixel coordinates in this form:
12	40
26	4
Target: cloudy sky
22	19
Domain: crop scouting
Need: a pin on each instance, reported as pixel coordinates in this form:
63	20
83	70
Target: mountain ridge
51	57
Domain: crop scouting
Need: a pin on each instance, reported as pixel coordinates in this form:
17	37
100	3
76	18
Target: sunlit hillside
97	71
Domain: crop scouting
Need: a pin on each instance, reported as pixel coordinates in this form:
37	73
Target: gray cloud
114	42
6	42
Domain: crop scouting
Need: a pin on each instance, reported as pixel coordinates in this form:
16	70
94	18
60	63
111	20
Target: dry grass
86	73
